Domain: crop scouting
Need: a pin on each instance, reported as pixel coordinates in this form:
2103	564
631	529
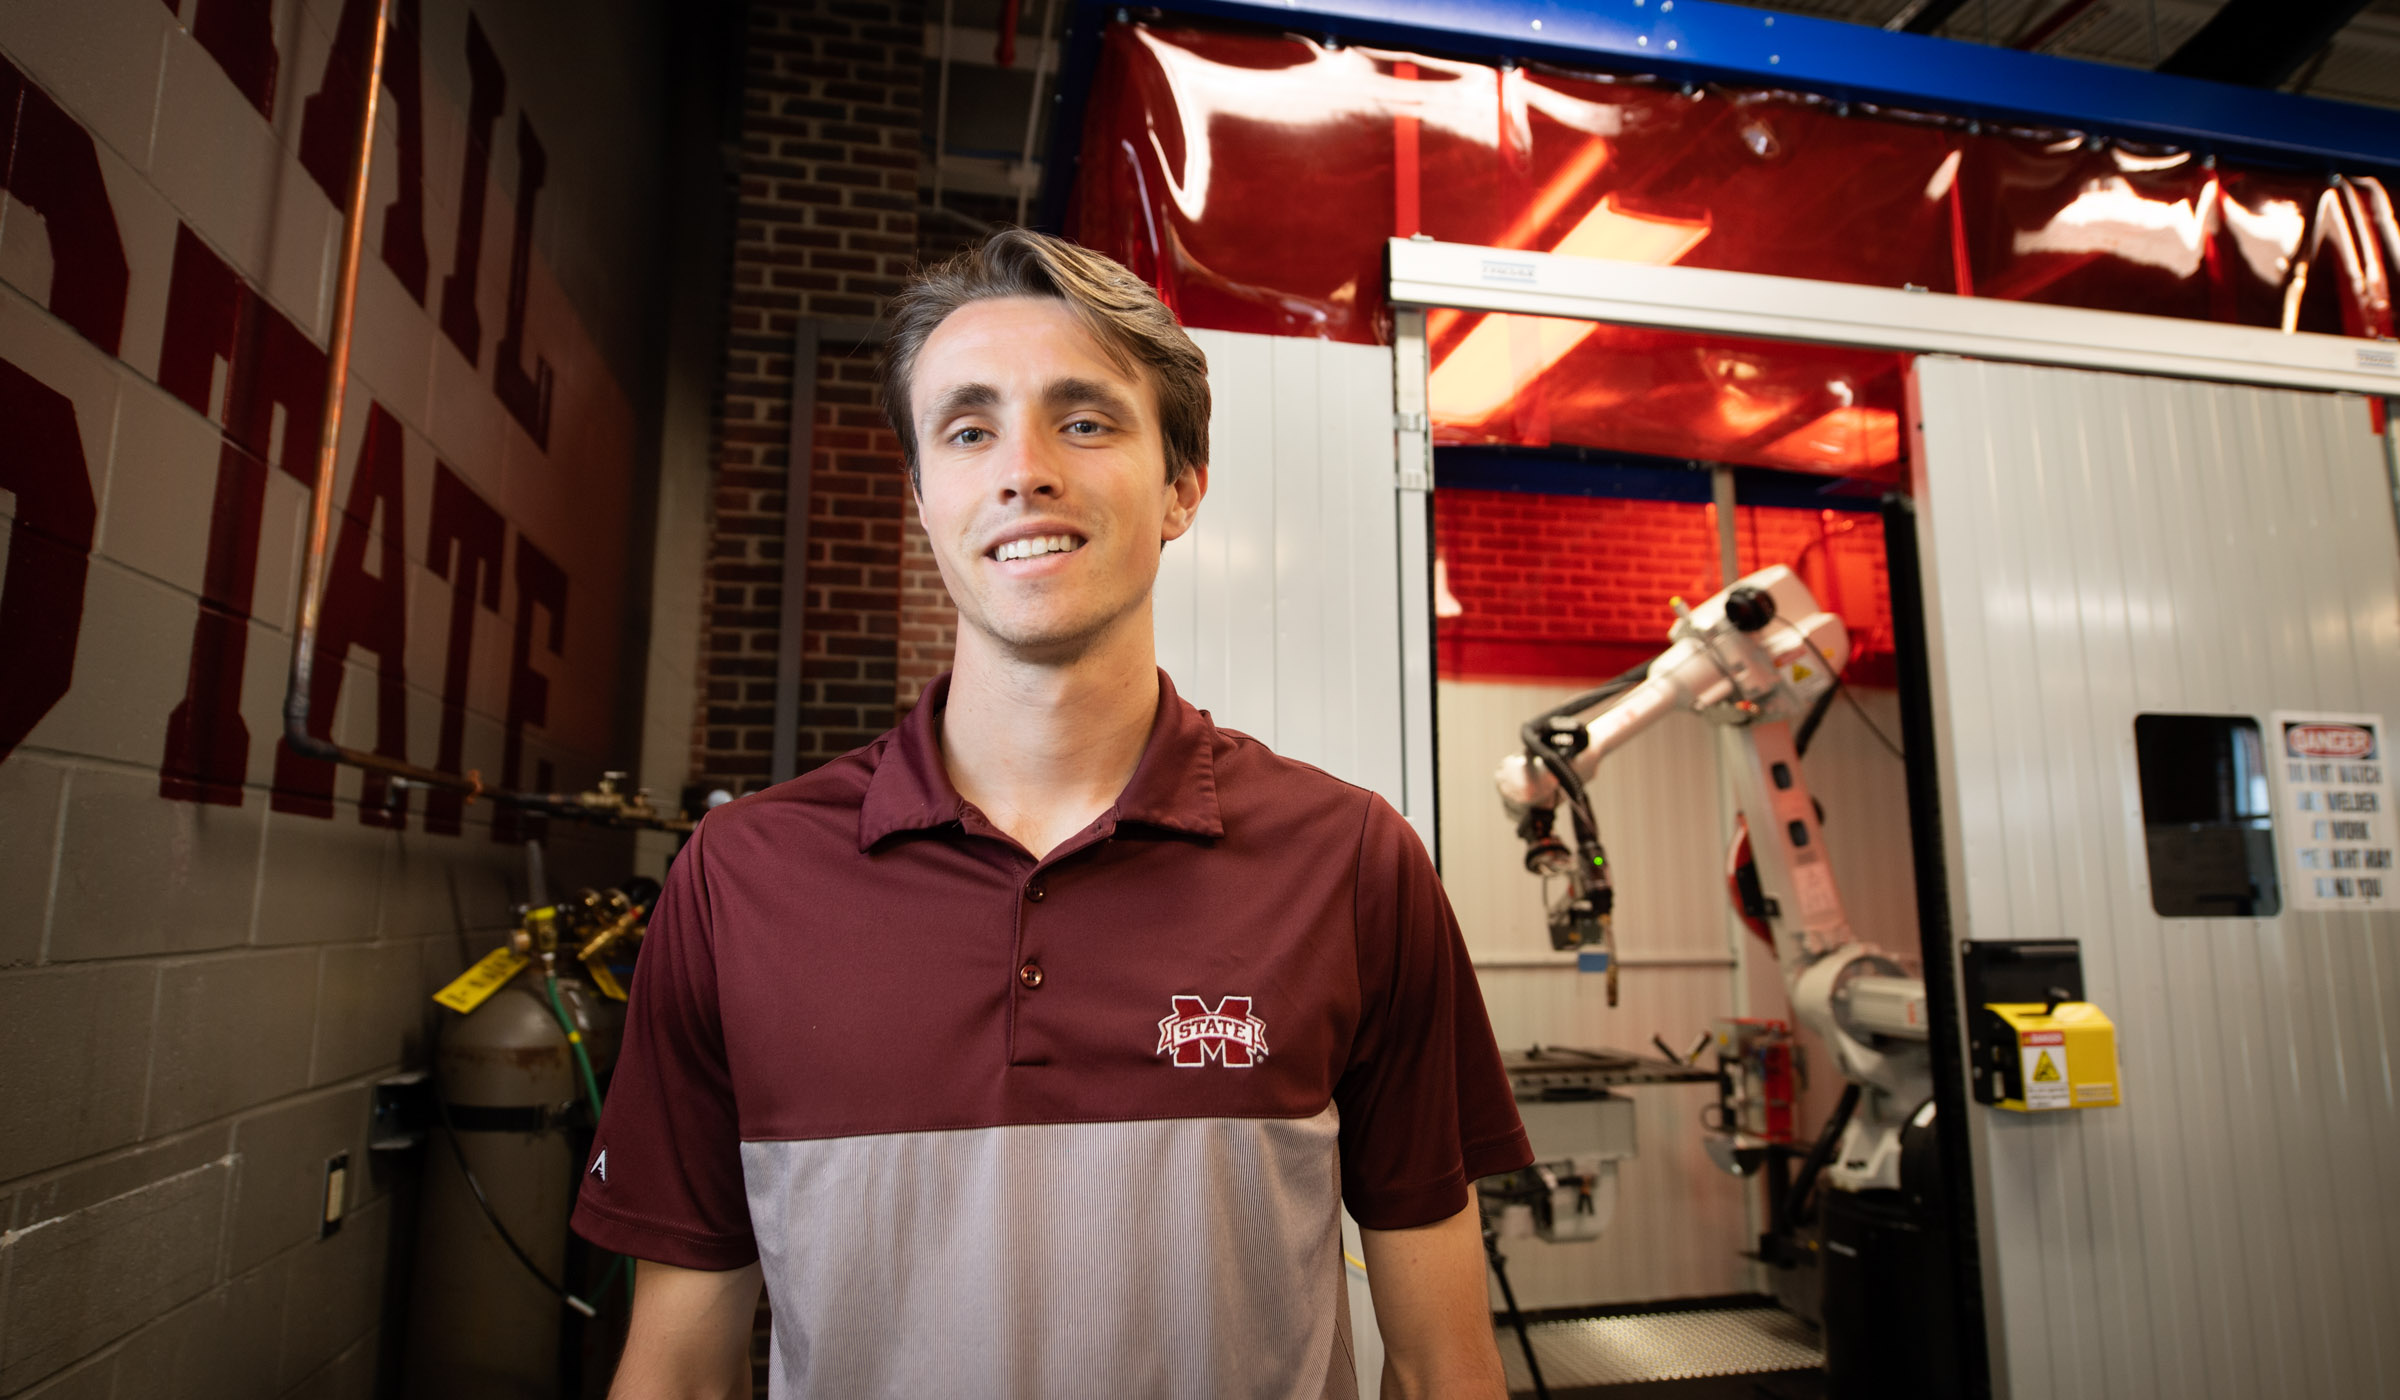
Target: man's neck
1043	749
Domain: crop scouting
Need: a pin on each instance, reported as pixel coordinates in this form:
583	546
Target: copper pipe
329	439
320	517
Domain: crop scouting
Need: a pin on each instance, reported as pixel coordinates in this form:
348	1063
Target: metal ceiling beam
2053	24
1923	16
1760	306
2260	43
1703	41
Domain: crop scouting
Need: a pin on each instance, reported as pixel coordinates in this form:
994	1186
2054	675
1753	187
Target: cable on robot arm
1841	688
1816	712
1537	732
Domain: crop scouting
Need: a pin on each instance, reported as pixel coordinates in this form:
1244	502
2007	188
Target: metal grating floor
1662	1347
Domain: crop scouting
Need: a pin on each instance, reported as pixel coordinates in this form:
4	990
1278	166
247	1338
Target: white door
2103	546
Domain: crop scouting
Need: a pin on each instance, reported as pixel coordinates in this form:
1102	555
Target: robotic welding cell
1752	659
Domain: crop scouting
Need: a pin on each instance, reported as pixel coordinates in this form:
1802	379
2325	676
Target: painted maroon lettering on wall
540	583
463	546
49	550
527	397
271	369
487	93
368	611
52	168
240	36
329	130
233	357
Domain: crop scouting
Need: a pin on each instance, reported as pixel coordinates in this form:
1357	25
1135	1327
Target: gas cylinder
481	1326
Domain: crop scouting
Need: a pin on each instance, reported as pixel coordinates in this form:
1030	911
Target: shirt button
1034	891
1031	975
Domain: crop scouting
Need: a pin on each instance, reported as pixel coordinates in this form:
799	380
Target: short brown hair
1134	328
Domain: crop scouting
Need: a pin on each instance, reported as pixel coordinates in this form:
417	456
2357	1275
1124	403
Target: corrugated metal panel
1681	1223
1279	612
2097	547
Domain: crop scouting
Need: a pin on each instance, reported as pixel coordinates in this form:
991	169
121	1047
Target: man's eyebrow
1087	393
959	399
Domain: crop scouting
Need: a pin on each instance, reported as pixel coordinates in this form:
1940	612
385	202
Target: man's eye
1087	427
969	437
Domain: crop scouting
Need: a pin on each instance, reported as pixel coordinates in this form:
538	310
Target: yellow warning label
475	986
2067	1056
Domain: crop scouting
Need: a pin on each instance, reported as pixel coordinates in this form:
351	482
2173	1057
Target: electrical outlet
337	1193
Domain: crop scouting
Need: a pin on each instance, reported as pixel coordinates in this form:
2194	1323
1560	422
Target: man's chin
1051	640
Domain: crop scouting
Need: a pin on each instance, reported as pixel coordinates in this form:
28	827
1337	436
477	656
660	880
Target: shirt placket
1036	915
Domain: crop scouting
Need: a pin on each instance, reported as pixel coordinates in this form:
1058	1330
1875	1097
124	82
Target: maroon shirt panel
887	982
1426	1103
865	933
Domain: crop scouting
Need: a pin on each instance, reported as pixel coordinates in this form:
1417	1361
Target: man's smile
1035	549
1034	546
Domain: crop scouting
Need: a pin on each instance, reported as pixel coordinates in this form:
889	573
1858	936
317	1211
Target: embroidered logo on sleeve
600	1165
1195	1034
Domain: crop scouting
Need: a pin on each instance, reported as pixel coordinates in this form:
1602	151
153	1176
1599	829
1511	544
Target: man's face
1042	477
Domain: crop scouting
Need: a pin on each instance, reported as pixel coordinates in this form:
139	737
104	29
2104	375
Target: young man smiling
1031	1050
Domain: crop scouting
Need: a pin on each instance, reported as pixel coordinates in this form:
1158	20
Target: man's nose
1029	467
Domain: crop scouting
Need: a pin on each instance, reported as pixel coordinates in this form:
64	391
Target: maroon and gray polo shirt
1070	1127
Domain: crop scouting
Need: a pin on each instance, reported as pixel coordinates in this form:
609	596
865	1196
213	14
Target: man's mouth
1034	546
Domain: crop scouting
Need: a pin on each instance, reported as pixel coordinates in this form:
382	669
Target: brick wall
827	228
1567	586
928	621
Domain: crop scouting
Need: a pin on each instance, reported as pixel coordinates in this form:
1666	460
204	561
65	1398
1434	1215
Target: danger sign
2045	1069
2334	817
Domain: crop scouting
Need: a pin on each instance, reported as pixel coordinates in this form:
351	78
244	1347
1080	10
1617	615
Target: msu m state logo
1228	1034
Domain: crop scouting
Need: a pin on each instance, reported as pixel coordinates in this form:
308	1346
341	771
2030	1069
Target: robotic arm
1752	659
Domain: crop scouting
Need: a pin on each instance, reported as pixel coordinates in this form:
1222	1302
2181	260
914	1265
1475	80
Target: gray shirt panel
1192	1257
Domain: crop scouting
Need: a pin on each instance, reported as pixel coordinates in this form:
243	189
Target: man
1030	1050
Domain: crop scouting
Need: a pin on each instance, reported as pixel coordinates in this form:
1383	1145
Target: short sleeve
1425	1102
664	1181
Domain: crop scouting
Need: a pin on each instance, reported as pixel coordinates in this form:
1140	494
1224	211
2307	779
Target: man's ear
1183	505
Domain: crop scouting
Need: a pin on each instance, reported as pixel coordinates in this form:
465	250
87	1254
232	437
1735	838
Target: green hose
591	1085
583	1061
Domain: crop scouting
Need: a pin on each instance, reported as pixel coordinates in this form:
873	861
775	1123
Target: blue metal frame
1624	477
1701	41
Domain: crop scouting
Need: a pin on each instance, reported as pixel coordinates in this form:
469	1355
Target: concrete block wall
826	228
212	949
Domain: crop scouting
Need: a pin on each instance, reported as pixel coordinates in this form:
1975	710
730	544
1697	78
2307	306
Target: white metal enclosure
2098	546
1280	612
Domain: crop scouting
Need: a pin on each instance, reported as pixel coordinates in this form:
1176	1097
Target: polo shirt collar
1174	786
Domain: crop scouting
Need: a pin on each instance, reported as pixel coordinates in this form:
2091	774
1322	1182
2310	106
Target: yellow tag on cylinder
473	987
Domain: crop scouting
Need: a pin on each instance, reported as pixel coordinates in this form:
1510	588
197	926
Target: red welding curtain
1254	177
